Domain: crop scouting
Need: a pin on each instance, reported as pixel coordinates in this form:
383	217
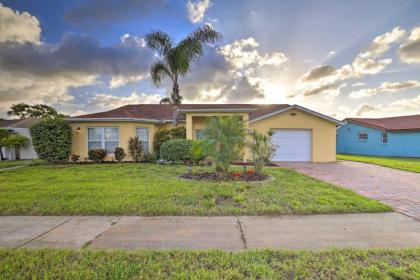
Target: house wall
27	151
323	131
403	144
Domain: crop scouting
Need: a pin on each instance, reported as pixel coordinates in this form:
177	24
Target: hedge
52	139
176	150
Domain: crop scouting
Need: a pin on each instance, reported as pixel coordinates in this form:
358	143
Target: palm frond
159	71
159	41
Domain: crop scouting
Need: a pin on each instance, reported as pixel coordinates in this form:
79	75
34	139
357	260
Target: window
363	136
198	134
143	134
384	137
106	138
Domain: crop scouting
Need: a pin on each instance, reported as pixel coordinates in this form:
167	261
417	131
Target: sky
341	58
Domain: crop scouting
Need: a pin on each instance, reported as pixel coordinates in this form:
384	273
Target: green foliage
261	148
135	148
197	151
75	158
4	133
14	141
150	157
401	163
52	139
97	155
177	60
119	154
163	135
178	132
23	110
176	150
223	141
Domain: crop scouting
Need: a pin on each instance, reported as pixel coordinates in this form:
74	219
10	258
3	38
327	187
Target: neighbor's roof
21	123
163	113
401	123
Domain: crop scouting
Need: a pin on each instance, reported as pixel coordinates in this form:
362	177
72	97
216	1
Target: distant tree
23	111
4	133
14	141
177	60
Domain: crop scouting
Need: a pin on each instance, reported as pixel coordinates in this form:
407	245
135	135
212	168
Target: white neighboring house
19	127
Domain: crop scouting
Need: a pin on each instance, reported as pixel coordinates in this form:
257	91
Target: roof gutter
236	110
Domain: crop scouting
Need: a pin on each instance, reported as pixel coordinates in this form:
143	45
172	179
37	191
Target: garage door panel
292	145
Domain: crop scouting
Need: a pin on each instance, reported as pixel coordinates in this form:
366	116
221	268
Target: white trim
242	110
102	137
299	108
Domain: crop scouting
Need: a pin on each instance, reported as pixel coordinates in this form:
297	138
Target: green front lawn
262	264
407	164
14	163
149	189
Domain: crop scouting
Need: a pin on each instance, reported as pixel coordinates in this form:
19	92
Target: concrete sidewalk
387	230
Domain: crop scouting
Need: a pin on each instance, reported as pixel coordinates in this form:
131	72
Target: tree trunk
176	102
17	153
1	153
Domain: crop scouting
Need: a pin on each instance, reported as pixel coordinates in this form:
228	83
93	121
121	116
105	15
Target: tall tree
177	60
23	111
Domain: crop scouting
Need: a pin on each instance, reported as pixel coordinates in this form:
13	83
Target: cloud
406	104
106	11
106	101
197	9
382	43
318	72
385	87
368	108
409	52
18	27
359	84
331	54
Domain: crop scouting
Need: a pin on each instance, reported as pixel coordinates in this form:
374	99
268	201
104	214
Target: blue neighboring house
396	136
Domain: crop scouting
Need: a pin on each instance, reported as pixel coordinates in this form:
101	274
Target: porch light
78	130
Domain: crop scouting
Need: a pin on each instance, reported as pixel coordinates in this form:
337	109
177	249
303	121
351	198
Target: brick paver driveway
399	189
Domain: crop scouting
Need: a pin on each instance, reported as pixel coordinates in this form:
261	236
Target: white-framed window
384	138
363	136
106	138
198	134
143	134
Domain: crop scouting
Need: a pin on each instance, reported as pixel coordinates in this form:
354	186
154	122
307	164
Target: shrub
75	158
14	141
150	157
223	140
119	154
52	139
161	137
4	133
135	148
262	149
97	155
176	150
197	151
164	135
178	132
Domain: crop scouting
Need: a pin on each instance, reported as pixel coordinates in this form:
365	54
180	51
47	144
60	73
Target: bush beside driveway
148	189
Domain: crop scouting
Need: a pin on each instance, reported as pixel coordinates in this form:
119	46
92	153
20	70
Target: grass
407	164
14	163
261	264
149	189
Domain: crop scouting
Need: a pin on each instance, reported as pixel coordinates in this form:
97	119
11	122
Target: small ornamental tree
4	133
135	148
15	141
119	154
161	136
223	141
52	139
261	148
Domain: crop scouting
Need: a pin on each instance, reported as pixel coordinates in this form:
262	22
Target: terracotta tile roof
24	123
401	123
164	111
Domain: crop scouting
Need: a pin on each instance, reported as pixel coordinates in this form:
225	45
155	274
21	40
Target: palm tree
177	60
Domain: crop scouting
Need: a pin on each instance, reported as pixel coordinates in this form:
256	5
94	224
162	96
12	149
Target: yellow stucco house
300	134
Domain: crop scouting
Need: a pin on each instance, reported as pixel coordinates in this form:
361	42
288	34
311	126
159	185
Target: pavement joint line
44	233
243	238
88	243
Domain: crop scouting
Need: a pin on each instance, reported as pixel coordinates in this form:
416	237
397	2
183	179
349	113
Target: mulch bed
211	176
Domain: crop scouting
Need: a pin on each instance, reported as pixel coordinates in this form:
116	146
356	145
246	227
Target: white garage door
292	145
